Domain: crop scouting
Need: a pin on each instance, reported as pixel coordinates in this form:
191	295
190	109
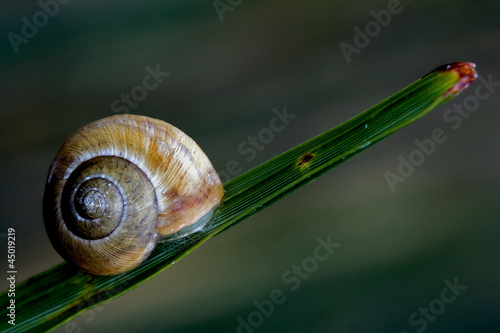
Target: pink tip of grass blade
466	73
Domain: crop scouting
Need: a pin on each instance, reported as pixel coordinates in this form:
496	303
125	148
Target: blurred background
230	63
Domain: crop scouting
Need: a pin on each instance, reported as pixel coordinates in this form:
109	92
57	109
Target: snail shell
119	184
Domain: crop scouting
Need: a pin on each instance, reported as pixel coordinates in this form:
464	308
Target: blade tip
464	70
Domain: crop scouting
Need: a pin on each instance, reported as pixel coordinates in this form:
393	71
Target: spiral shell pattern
119	184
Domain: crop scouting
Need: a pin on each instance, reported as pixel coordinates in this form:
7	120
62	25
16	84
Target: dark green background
225	79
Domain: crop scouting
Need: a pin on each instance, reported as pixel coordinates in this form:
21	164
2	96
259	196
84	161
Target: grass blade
53	297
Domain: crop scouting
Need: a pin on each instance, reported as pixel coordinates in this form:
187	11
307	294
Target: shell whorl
126	168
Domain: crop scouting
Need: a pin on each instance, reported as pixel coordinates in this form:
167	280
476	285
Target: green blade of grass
53	297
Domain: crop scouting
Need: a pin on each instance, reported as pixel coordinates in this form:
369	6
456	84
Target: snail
120	184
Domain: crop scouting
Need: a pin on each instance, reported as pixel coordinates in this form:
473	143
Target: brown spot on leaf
305	159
